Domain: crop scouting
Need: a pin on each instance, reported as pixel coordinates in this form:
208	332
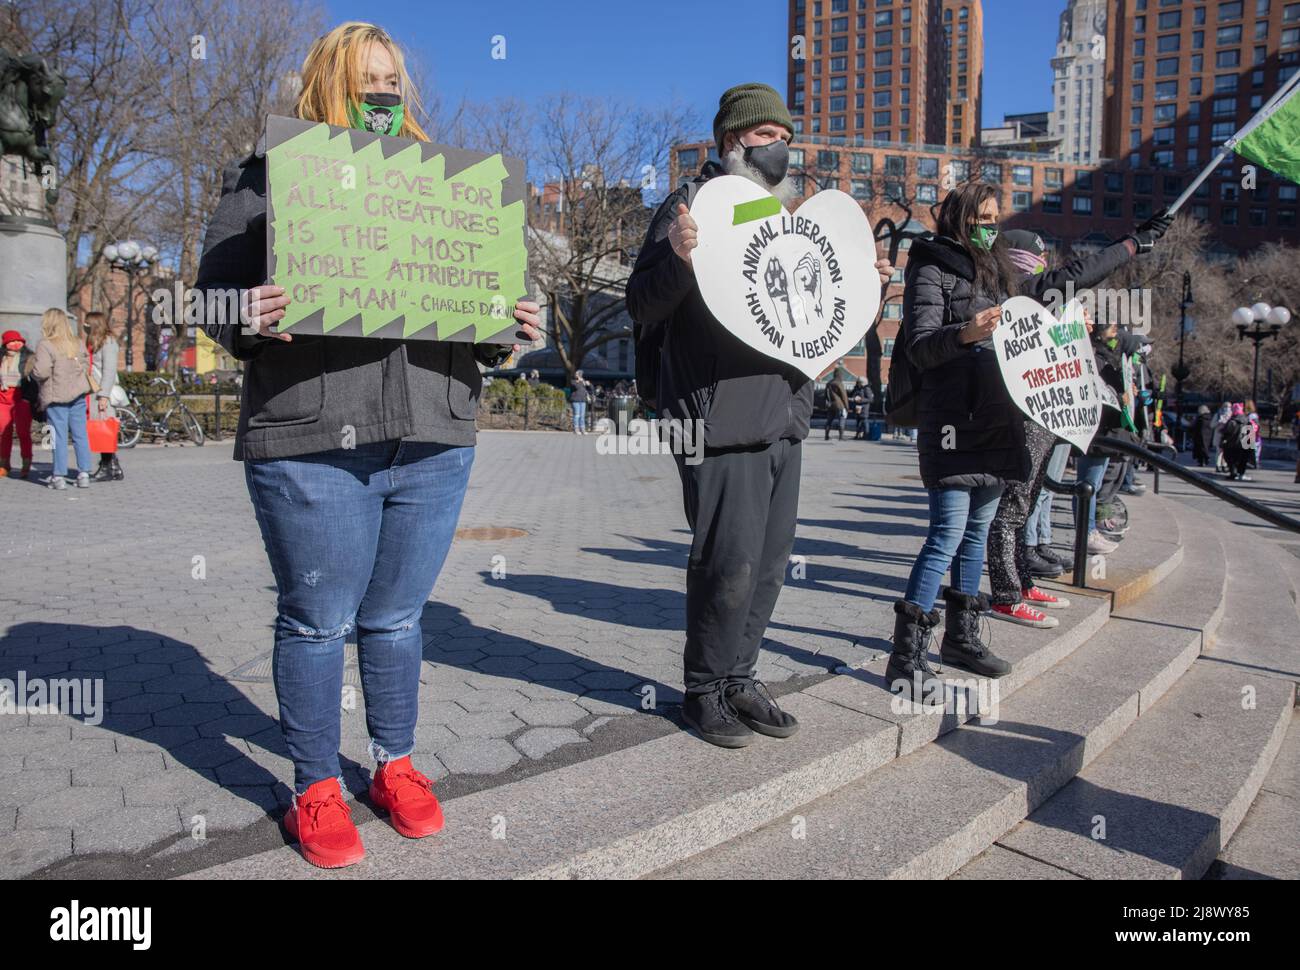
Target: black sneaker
714	719
1047	552
757	709
1040	568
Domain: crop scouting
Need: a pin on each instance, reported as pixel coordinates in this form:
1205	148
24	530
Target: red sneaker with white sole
1025	615
1044	600
322	824
408	798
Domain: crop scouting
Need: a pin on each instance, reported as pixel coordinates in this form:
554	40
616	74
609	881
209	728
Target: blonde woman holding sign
357	455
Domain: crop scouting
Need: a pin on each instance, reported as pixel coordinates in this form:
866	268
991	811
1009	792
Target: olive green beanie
747	105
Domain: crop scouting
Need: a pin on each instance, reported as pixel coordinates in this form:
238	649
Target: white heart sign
1048	368
800	287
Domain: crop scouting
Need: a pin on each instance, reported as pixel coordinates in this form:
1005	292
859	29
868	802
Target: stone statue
30	93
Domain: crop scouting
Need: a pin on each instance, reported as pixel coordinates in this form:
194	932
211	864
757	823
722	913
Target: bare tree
604	159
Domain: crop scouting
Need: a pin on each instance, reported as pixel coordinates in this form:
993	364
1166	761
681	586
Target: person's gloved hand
1150	232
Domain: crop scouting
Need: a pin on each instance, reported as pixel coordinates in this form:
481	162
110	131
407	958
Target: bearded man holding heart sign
732	354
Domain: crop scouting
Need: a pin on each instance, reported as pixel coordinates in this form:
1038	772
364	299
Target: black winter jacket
743	398
970	432
300	397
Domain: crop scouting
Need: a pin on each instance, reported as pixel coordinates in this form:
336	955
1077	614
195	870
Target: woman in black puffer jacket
971	438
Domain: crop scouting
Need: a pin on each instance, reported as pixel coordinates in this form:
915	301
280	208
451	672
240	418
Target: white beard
733	163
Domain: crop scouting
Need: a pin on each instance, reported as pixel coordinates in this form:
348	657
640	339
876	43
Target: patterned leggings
1008	571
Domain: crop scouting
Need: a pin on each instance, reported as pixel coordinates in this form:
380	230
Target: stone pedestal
33	274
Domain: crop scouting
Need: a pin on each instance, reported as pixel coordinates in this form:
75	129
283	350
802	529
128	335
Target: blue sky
656	51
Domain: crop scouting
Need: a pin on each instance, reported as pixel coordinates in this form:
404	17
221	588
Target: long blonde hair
55	329
333	77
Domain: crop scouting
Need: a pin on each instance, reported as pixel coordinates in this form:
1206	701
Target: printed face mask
984	235
381	112
770	161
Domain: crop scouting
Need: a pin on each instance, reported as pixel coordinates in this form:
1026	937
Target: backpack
1246	436
904	376
649	347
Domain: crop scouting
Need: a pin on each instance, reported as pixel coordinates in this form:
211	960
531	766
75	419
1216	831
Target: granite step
927	814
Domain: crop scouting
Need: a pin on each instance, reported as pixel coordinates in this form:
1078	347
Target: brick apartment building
872	70
963	30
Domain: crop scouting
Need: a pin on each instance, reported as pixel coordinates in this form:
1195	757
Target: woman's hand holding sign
527	313
684	235
261	308
982	327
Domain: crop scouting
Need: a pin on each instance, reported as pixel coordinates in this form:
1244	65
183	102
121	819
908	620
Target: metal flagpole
1261	116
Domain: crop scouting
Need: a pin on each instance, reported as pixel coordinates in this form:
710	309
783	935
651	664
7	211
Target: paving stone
550	713
25	852
479	756
541	741
125	830
70	806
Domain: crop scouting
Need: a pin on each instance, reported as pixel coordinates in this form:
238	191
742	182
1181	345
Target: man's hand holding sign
802	287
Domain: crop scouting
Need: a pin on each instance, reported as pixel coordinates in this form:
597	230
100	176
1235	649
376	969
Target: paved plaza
553	635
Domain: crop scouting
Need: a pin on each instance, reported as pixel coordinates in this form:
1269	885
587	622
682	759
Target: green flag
1272	139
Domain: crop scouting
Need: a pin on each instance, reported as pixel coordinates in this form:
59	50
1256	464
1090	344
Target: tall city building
1079	80
963	28
1182	78
869	70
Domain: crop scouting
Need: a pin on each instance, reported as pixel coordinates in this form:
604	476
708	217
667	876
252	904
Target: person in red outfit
15	407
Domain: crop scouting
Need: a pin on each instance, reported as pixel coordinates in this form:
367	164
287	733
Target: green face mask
380	112
984	236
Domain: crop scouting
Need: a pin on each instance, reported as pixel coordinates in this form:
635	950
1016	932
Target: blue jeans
1090	470
69	420
356	539
959	529
1038	527
579	415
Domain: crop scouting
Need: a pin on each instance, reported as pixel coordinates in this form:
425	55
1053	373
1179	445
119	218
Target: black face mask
770	161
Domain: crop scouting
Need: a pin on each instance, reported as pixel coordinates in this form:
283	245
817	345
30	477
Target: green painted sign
373	236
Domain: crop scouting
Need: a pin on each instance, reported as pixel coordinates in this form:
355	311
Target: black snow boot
908	663
962	646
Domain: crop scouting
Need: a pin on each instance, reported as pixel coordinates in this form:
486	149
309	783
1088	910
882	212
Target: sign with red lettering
374	236
1048	368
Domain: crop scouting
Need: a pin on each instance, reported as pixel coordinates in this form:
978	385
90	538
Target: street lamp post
1182	371
132	259
1276	317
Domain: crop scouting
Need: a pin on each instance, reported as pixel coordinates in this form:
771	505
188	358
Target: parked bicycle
138	420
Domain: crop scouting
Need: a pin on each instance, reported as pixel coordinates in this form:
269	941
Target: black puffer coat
970	432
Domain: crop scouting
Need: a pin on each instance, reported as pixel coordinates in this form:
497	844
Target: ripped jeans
356	539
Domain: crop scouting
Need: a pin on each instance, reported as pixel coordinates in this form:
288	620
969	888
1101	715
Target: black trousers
1008	569
741	505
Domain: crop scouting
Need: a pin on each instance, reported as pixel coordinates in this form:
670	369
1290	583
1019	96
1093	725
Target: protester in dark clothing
1203	436
860	399
971	438
1238	444
751	413
1012	564
837	406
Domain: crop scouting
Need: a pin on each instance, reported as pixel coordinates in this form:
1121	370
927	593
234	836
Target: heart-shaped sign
1048	368
799	287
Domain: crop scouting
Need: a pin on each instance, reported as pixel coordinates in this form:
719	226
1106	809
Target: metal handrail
1158	462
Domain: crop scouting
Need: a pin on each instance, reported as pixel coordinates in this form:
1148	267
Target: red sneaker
1044	600
1025	615
322	823
408	798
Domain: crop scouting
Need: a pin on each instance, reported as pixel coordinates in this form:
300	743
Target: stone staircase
1129	742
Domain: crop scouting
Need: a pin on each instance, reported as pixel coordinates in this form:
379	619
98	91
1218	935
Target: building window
991	172
1083	180
1114	181
895	165
861	189
1022	174
1053	177
927	192
862	163
1083	205
1022	201
828	161
688	159
1113	207
1052	202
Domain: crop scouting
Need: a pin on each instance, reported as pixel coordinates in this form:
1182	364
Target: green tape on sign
758	209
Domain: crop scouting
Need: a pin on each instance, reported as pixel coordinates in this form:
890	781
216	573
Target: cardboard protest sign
1126	375
1048	368
800	287
375	236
